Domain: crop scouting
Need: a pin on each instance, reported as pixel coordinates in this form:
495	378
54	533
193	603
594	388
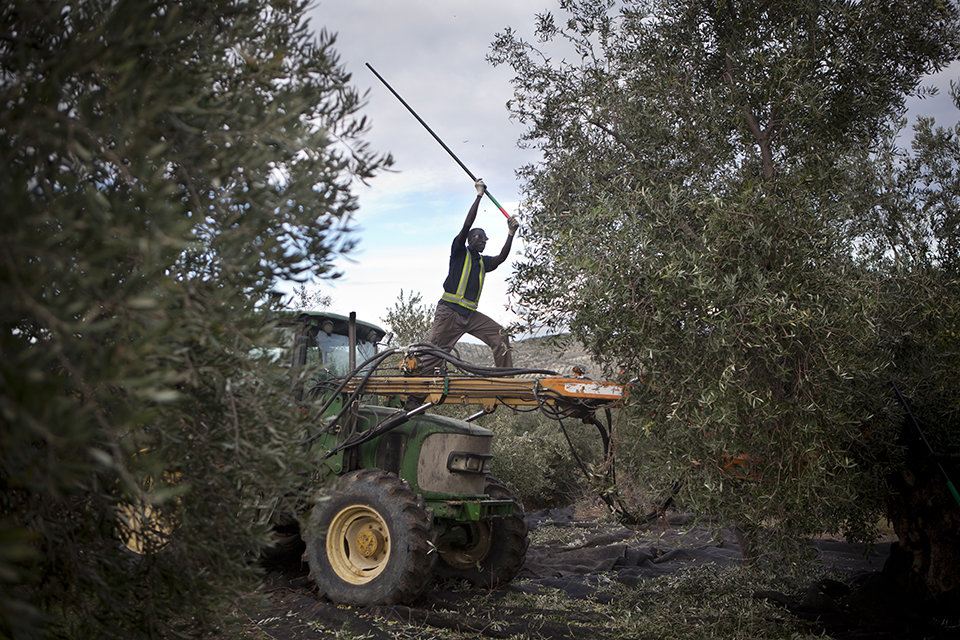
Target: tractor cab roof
334	323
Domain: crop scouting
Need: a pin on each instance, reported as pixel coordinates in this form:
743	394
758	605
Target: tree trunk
926	518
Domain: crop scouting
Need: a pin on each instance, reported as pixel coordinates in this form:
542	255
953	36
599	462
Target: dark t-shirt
458	254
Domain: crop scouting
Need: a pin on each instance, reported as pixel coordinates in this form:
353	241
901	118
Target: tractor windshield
332	352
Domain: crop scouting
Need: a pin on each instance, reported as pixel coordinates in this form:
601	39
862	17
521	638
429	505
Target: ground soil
587	559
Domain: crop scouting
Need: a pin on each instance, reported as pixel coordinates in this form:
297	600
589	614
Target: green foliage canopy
409	319
695	221
166	164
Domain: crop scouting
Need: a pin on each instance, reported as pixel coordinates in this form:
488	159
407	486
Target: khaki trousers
449	326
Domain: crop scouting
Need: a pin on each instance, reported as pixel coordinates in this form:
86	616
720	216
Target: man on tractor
456	313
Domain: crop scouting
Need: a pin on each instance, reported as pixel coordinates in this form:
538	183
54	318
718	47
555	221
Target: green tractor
404	495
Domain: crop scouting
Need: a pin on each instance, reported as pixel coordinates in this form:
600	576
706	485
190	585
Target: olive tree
909	241
409	319
166	165
695	222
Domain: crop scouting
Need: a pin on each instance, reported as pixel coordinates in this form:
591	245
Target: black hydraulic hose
625	516
378	359
374	362
552	412
490	372
576	456
400	418
391	422
604	436
346	379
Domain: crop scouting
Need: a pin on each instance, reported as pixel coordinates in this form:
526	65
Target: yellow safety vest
460	296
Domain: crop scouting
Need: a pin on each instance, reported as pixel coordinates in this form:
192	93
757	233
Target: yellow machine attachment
555	396
565	396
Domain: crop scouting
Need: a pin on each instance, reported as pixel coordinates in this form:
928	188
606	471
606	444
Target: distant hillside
556	353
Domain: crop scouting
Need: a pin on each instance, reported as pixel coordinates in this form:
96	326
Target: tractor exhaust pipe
352	337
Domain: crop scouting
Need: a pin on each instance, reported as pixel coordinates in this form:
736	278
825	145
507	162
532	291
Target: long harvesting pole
436	137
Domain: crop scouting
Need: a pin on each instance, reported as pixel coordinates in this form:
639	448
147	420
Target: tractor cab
321	346
324	340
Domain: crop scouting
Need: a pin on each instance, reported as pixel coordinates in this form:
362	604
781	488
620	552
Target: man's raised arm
512	223
472	214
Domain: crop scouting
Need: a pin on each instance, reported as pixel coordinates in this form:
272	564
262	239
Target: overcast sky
432	53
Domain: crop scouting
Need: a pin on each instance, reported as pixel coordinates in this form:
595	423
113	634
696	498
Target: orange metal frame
561	392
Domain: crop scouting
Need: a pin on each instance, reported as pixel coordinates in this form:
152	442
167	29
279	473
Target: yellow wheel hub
358	544
370	543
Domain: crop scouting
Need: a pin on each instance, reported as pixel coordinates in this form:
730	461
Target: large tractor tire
370	541
497	546
286	548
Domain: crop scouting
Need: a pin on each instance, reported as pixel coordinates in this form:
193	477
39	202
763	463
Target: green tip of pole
953	492
499	206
